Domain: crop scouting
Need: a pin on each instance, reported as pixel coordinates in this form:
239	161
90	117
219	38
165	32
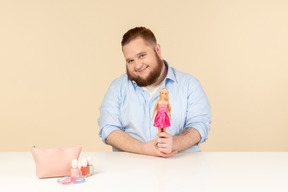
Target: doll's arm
169	111
155	109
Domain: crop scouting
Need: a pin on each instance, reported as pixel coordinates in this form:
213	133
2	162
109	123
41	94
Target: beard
152	77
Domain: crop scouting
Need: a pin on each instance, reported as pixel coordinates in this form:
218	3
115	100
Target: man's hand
151	148
165	143
121	140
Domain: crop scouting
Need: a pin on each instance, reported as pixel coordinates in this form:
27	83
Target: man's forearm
186	139
125	142
121	140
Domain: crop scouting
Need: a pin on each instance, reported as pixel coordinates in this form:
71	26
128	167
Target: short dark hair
142	32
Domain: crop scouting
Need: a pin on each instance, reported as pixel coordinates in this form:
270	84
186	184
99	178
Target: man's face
143	64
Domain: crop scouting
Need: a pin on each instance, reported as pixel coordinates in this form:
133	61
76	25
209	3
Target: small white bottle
74	169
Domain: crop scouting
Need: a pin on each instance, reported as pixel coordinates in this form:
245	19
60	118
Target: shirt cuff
106	131
201	128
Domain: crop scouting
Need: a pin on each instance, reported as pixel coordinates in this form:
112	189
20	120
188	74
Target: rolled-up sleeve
198	110
109	119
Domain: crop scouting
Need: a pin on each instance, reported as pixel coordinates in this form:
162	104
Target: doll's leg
161	130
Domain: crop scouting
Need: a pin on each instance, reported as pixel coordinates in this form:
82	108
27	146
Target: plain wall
58	58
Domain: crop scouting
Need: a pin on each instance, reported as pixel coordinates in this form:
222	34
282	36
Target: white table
206	171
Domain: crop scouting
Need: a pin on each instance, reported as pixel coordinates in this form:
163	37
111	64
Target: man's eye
130	61
141	56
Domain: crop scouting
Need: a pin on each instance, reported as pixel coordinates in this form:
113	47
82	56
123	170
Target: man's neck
162	75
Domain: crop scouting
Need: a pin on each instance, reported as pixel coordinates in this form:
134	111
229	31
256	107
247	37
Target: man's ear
158	50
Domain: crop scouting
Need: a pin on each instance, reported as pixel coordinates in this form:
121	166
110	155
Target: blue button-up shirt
128	107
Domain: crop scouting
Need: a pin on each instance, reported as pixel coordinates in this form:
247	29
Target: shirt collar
170	75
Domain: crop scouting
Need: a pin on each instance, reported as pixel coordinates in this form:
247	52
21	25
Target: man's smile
142	70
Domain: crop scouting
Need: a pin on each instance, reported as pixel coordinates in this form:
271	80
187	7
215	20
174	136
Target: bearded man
125	114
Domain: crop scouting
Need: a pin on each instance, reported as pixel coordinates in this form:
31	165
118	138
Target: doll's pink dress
162	120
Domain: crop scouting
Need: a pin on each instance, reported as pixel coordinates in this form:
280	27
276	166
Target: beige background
57	59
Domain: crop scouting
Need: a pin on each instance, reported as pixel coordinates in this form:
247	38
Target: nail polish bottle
74	169
84	168
90	166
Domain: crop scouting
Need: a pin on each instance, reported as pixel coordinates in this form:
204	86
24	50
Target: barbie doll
163	109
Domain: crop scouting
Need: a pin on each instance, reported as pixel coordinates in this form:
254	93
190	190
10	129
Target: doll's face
143	63
164	94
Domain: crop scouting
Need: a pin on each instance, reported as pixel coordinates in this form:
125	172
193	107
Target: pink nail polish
74	170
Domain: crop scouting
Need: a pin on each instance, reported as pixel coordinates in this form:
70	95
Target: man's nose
138	64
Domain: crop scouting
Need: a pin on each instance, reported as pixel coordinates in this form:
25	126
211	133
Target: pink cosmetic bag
54	162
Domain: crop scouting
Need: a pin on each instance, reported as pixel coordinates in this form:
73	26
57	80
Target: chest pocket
133	113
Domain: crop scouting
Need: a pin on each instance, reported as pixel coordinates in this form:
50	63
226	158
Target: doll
163	109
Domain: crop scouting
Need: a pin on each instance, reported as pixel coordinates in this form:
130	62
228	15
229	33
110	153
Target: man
125	114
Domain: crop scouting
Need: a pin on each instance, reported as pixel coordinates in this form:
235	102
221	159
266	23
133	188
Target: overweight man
126	111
